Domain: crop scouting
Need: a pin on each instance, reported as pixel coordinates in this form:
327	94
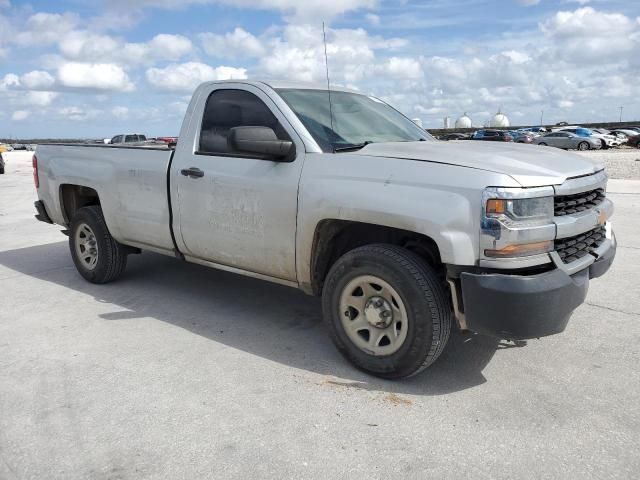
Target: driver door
237	210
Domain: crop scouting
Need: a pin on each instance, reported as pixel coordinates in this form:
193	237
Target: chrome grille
573	248
579	202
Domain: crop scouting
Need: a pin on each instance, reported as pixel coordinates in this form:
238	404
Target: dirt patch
394	399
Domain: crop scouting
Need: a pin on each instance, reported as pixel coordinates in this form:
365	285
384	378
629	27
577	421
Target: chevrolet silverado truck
336	193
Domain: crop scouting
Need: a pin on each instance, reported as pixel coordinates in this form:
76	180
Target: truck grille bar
573	248
579	202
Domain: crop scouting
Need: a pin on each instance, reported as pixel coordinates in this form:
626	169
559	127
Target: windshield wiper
352	148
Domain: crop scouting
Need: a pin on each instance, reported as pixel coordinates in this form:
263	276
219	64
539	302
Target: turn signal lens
496	206
521	250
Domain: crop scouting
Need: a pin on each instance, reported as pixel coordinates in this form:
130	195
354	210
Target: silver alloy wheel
373	315
583	146
86	246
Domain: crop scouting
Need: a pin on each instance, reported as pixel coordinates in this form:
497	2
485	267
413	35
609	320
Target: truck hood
529	165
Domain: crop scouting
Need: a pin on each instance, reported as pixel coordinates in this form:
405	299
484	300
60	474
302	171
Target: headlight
517	222
529	211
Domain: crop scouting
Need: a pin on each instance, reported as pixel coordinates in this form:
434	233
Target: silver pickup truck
342	196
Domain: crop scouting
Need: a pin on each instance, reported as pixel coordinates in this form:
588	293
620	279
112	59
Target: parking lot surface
179	371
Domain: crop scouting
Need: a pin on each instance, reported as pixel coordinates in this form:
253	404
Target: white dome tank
464	121
499	120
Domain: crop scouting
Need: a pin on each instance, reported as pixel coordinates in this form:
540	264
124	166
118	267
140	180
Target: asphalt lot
179	371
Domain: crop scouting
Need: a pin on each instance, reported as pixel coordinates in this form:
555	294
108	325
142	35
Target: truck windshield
357	119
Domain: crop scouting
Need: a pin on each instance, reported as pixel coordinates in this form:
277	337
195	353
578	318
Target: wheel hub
378	312
86	246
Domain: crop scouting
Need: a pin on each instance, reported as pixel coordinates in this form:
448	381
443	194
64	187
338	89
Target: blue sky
81	68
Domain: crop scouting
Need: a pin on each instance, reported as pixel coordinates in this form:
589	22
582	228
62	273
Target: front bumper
527	306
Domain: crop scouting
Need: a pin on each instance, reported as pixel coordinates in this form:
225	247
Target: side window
226	109
117	139
130	138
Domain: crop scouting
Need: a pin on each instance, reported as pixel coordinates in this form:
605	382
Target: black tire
1	170
111	255
427	305
584	146
604	145
543	144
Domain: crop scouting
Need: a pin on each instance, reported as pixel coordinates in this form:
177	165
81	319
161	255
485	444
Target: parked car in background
454	136
492	136
568	140
536	130
130	140
606	141
627	132
521	137
168	140
18	146
634	141
5	148
1	164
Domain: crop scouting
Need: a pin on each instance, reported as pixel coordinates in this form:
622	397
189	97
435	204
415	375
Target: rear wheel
98	257
583	146
543	144
386	310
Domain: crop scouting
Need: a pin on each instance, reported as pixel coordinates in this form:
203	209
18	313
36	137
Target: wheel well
74	197
334	238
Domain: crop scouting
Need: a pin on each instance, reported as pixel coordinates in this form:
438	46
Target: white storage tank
499	120
464	121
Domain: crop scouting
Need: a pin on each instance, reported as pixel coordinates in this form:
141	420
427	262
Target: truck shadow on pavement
275	322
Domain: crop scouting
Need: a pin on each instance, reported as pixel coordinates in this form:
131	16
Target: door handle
192	172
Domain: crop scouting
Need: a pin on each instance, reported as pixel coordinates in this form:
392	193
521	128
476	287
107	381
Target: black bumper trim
42	215
526	306
602	264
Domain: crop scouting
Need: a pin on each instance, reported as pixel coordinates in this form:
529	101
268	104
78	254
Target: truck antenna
326	64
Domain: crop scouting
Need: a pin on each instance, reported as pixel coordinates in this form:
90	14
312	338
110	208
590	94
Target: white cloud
96	76
306	9
403	68
20	115
186	76
299	52
590	35
372	18
238	43
37	80
10	80
43	29
121	113
76	113
82	45
39	99
170	47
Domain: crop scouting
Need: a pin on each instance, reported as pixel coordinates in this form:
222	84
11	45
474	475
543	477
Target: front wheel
98	257
543	144
386	310
583	146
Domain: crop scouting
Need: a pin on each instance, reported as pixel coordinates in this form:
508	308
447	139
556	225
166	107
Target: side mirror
261	141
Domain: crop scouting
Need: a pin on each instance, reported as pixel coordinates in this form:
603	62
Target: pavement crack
612	309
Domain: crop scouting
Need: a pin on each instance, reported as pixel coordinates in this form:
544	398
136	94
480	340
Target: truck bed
130	181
